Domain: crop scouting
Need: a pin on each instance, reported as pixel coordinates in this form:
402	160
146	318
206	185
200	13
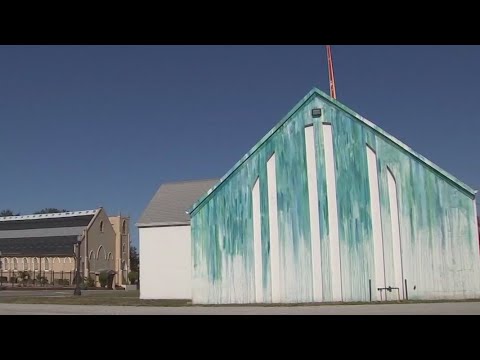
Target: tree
8	212
50	211
134	259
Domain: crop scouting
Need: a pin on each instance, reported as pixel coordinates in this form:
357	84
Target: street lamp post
77	290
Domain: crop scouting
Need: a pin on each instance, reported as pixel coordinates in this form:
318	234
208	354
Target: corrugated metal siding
437	221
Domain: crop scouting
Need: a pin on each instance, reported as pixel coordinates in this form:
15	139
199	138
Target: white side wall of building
165	262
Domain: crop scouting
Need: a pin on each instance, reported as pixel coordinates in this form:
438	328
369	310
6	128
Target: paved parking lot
458	308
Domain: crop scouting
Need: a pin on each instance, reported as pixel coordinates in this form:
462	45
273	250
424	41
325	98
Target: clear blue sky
89	126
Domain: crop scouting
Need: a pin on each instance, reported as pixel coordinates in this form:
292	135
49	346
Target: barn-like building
328	207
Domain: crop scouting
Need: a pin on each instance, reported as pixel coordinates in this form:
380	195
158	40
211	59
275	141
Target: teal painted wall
438	228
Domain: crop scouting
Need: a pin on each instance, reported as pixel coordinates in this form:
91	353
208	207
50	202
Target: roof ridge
190	181
49	215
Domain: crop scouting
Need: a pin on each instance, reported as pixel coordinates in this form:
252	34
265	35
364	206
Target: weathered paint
395	229
376	223
314	217
436	229
334	241
257	241
274	245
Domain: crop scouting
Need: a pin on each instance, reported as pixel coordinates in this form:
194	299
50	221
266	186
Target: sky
89	126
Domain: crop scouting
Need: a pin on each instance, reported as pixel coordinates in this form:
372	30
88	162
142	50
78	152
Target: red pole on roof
331	75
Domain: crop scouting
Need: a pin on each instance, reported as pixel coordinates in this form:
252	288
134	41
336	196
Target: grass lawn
119	298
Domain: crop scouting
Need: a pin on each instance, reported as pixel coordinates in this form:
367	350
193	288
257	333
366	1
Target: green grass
118	298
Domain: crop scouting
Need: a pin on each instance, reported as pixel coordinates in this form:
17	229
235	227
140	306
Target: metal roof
49	216
46	223
51	232
43	234
169	205
38	246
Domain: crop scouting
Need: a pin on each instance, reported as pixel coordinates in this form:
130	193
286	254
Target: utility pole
77	290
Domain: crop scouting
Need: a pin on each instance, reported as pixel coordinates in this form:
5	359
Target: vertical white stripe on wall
332	214
397	249
273	221
314	217
475	226
257	242
376	222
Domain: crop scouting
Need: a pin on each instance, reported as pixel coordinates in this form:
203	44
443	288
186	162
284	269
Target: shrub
89	281
24	276
61	282
42	279
103	278
133	277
